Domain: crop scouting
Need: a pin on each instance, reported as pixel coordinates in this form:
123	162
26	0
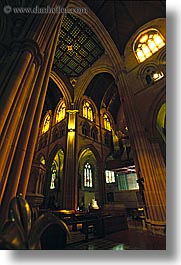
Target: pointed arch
147	43
65	91
46	123
60	111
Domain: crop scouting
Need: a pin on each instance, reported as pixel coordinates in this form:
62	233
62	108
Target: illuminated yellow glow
148	44
42	160
87	111
142	59
152	46
140	54
71	137
69	48
146	51
161	116
46	123
157	76
144	38
71	119
60	114
107	124
157	39
140	209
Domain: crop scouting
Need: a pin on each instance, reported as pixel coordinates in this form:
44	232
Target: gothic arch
131	60
89	75
92	149
60	83
53	153
89	154
110	63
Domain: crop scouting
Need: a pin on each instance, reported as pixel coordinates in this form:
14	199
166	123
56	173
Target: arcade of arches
83	108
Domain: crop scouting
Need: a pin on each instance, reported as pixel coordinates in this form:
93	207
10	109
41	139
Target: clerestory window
60	113
87	111
147	44
46	123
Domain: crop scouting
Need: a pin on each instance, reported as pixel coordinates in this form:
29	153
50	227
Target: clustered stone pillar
71	177
150	162
23	92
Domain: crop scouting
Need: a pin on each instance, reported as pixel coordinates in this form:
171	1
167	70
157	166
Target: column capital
33	47
28	45
72	111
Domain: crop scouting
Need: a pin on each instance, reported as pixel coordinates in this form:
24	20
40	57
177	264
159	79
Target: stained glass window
147	44
88	176
107	123
53	175
56	169
87	111
46	123
60	114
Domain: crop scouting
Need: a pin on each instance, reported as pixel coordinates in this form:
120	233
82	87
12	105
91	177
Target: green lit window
147	44
56	170
42	160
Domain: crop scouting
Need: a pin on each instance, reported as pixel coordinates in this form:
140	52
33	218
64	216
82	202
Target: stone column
70	177
23	95
35	111
150	162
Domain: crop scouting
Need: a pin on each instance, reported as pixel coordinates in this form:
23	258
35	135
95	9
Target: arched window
94	133
87	111
85	129
107	123
60	113
56	169
46	123
88	176
147	44
53	175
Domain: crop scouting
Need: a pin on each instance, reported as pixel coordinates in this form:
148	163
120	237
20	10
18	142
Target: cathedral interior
82	121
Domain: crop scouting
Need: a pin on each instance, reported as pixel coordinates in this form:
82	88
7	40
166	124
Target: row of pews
98	222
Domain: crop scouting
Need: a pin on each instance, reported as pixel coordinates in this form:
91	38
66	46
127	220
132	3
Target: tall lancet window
88	182
46	123
107	123
87	111
147	44
53	175
60	113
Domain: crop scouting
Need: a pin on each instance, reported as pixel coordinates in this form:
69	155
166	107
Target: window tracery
88	180
87	111
147	44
